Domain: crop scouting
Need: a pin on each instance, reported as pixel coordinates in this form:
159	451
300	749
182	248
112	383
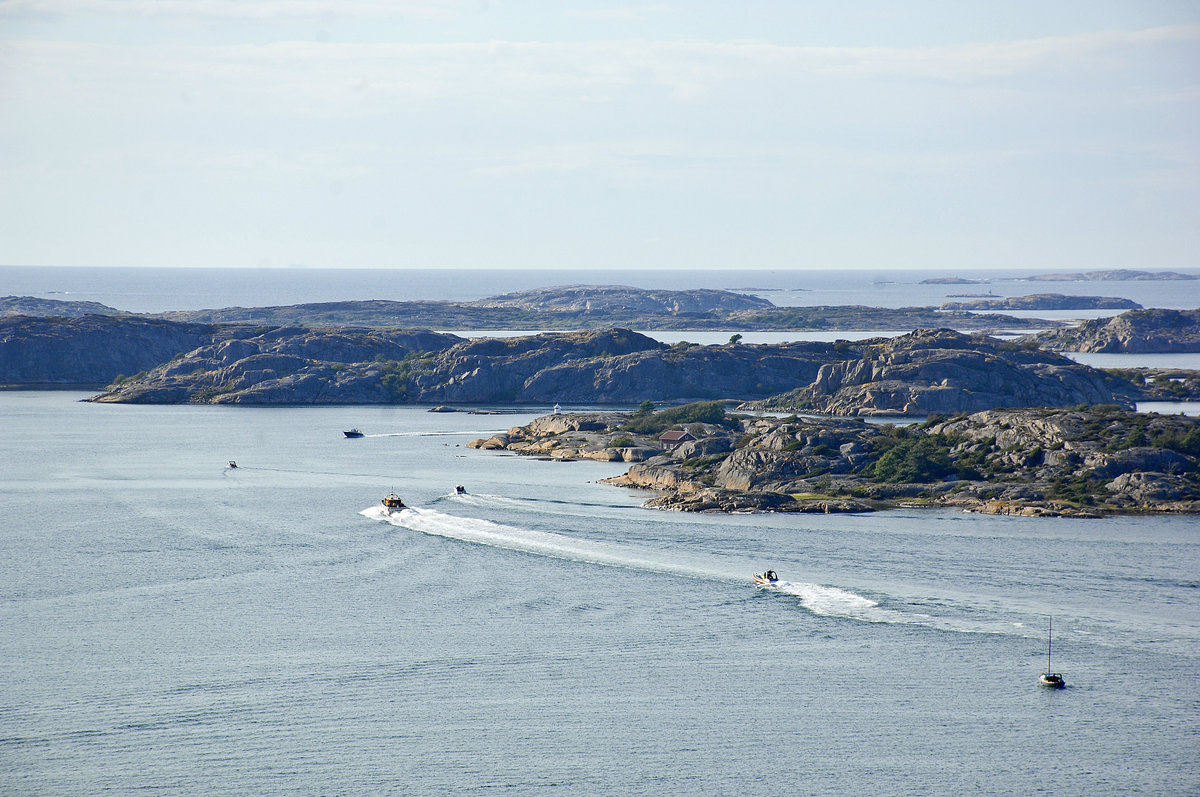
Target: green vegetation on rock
699	412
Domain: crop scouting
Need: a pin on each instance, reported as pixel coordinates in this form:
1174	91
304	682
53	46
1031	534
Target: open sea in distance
169	625
153	290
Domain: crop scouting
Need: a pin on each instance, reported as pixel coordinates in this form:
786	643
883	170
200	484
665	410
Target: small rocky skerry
1082	462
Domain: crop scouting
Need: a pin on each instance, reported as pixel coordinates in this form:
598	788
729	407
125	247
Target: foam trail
544	543
816	598
417	434
541	505
834	602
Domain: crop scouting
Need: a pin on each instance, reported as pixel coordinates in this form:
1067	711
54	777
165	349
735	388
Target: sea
171	625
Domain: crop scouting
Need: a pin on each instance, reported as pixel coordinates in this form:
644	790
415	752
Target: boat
232	464
392	501
766	579
1049	678
352	433
459	489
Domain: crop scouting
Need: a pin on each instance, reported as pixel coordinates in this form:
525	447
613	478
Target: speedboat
766	579
459	489
352	433
232	464
392	501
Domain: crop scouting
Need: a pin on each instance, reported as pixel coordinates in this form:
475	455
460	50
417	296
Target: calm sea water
152	290
171	626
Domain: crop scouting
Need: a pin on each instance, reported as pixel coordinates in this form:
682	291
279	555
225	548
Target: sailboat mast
1049	644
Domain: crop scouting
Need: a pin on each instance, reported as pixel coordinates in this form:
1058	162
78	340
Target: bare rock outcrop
1034	462
89	349
287	365
940	371
1151	331
1046	301
56	308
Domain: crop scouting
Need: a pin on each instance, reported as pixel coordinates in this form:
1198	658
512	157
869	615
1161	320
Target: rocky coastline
1082	462
1079	451
562	308
923	372
1136	332
1045	301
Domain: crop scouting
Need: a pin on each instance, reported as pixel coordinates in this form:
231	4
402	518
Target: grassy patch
700	412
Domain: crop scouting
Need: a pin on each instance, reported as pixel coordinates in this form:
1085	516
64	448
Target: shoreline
1034	462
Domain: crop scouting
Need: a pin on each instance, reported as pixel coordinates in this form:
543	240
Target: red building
674	438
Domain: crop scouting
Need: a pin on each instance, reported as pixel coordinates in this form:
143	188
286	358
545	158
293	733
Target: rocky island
89	350
942	371
1084	462
1112	275
1135	332
559	308
62	308
1045	301
916	374
1079	451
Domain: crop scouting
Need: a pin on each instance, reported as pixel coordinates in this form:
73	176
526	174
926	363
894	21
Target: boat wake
816	598
542	543
542	505
416	434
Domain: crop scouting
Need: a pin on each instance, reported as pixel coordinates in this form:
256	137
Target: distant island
1104	275
151	359
59	308
1111	275
563	308
1080	462
1045	301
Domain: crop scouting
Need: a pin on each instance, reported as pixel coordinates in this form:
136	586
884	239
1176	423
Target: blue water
171	626
152	290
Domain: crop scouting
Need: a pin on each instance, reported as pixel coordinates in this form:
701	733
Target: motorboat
352	433
392	501
232	464
459	489
766	579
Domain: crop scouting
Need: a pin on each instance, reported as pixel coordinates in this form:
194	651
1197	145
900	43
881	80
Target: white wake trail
816	598
544	543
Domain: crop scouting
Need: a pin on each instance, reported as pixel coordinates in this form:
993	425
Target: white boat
766	579
1049	678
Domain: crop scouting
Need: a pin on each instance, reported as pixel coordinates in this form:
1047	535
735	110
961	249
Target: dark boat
392	501
1049	678
352	433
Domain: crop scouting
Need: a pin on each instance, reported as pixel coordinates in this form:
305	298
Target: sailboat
1049	678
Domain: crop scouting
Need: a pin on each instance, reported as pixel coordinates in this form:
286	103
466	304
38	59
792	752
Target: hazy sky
513	133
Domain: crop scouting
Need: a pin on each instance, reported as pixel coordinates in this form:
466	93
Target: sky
779	134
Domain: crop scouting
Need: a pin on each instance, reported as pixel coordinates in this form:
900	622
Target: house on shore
673	438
